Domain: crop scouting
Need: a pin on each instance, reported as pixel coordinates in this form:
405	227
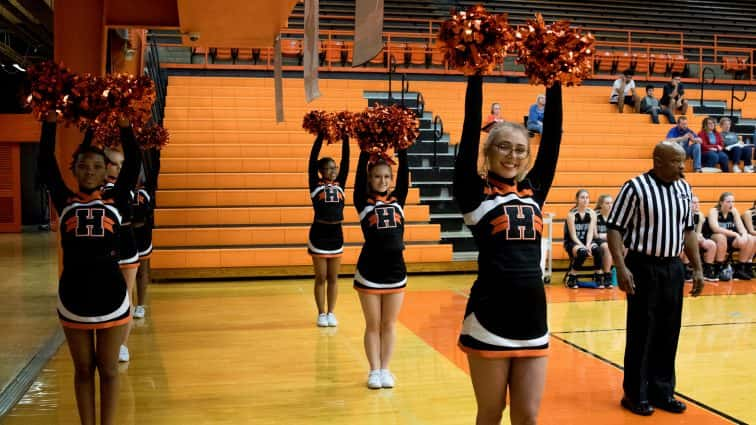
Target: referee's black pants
653	326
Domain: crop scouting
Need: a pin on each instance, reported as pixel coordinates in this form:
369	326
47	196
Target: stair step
290	256
272	235
257	215
251	197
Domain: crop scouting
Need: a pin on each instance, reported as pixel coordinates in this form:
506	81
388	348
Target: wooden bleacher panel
227	154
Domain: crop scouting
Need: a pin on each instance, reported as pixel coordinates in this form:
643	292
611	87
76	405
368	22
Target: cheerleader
326	240
381	276
144	222
129	253
504	332
724	223
581	242
93	302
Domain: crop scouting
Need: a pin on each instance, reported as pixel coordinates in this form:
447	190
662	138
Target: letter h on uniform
331	195
386	217
89	222
521	222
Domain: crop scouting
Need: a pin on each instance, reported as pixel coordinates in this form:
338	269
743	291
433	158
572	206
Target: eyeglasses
507	148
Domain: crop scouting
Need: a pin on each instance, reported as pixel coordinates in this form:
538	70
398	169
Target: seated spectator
581	243
736	149
623	92
650	105
494	118
749	220
707	247
603	207
724	221
673	97
712	146
688	140
535	114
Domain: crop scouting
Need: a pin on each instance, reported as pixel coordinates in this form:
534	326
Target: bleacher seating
233	183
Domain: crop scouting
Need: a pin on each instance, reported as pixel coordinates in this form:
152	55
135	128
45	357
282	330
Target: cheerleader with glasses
504	332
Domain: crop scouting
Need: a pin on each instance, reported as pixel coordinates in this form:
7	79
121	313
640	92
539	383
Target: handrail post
703	81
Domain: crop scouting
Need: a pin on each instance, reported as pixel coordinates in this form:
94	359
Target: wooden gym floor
250	353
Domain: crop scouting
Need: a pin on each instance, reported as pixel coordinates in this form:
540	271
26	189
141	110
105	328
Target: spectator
650	105
535	114
724	220
735	147
749	219
688	140
712	146
673	97
707	247
623	92
580	242
494	118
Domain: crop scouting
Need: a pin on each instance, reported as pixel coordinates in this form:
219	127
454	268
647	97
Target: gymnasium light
18	67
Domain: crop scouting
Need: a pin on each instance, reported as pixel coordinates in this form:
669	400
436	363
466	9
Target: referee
652	218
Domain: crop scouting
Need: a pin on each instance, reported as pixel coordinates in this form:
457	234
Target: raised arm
344	167
542	174
468	186
360	182
49	171
127	178
151	165
402	178
312	166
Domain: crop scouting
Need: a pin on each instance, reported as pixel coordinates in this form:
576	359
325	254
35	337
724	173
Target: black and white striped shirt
653	215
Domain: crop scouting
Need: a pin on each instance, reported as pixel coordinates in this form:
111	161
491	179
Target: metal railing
154	72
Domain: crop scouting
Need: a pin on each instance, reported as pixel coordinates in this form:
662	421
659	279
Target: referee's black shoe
670	404
642	408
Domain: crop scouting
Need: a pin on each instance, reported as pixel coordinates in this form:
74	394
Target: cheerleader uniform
144	204
380	267
506	311
128	252
91	291
326	239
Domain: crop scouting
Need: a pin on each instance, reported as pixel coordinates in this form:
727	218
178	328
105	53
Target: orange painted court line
578	385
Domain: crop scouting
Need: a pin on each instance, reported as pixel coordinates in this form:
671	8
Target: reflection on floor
249	352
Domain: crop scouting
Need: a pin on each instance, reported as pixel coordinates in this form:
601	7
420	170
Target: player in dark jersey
581	242
129	253
603	207
93	303
381	276
325	244
505	332
144	222
707	247
749	221
725	220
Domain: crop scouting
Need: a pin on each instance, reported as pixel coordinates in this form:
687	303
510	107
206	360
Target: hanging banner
277	79
310	50
368	30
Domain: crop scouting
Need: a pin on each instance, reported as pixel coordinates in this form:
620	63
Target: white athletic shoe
710	170
123	354
322	320
332	319
736	169
387	379
748	169
139	312
374	380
